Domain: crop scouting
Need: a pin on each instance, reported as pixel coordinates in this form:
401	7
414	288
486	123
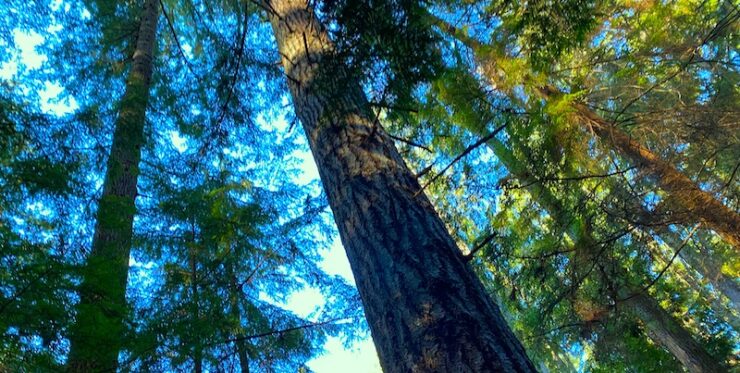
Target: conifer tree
426	309
96	336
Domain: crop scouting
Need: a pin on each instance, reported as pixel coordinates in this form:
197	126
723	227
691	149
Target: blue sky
361	357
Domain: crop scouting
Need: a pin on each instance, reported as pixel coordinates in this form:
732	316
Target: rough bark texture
427	310
96	336
666	331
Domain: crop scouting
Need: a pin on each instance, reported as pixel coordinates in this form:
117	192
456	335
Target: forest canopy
516	185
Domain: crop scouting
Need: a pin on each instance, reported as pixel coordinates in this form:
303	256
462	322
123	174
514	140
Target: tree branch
467	151
670	263
469	256
409	142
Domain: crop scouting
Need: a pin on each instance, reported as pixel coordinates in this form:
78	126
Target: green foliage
547	29
225	234
388	33
35	287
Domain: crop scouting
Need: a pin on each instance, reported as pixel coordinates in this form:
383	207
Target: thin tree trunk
666	331
195	310
662	328
686	199
241	344
95	338
711	271
426	309
689	274
241	348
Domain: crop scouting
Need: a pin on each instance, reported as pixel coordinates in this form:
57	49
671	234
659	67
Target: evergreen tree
382	214
99	326
516	184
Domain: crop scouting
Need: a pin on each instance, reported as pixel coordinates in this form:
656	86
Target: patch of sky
18	221
599	38
360	358
38	207
520	94
706	86
705	186
178	141
733	56
583	355
187	50
651	200
54	102
24	56
619	45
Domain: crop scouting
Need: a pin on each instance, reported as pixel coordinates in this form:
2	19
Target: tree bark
426	309
241	344
666	331
95	338
686	199
241	349
195	307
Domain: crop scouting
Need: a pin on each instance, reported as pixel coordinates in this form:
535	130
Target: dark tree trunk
667	332
427	310
241	344
241	350
195	308
96	336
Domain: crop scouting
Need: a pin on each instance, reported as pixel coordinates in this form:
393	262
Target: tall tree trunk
667	332
687	201
241	350
241	344
96	336
426	308
195	308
